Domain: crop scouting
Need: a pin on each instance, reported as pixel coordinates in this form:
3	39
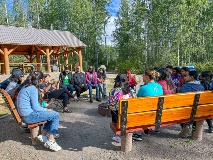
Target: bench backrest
164	110
10	105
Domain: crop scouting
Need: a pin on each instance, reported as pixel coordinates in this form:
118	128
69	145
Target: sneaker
90	101
42	138
146	132
51	144
210	131
186	132
117	139
136	137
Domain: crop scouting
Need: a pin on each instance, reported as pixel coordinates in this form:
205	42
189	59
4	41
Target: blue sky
113	8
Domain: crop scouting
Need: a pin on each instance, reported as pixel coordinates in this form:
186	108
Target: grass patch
3	109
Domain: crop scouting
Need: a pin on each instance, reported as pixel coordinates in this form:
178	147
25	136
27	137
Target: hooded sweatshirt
192	87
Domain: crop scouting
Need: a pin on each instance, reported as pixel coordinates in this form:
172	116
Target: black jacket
79	78
62	77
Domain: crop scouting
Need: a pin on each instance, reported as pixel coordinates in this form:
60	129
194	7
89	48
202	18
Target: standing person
176	76
31	111
206	81
92	82
79	82
102	82
166	82
192	85
131	79
66	80
151	88
184	72
52	92
120	91
170	69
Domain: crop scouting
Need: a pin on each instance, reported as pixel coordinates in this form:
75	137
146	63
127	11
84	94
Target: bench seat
136	114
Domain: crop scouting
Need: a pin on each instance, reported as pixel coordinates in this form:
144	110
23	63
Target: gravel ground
84	134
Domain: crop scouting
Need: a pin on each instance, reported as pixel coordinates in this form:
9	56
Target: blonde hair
152	74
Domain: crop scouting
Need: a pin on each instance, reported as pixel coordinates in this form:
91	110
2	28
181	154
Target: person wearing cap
15	79
66	80
92	82
15	71
79	82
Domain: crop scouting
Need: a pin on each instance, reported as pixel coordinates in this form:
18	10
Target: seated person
101	82
121	90
66	80
131	79
52	92
15	81
79	82
92	82
15	71
192	85
166	82
176	76
151	88
206	81
31	111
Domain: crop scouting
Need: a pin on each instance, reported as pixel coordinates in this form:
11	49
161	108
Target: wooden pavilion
32	43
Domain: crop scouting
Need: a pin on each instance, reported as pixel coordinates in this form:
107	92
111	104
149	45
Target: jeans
69	87
102	88
52	117
90	90
80	90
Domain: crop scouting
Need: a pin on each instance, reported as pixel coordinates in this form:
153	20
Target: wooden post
6	61
31	58
80	59
197	134
48	60
2	65
126	142
38	61
66	59
34	133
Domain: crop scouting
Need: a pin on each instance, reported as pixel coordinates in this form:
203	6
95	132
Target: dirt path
87	135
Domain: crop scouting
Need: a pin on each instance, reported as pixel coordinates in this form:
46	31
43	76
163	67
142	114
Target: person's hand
75	97
47	105
42	94
49	110
81	85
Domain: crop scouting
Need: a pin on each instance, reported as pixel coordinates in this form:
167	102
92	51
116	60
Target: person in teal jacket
150	88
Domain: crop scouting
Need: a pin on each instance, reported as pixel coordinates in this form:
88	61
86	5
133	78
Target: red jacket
166	88
131	80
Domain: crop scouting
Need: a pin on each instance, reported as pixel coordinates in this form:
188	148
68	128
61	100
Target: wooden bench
35	128
137	114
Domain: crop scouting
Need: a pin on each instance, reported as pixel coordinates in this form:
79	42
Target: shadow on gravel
76	136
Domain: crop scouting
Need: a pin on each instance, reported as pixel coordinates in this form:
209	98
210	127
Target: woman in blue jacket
31	111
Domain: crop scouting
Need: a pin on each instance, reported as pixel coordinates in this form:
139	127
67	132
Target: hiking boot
117	139
42	138
186	132
51	144
136	137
